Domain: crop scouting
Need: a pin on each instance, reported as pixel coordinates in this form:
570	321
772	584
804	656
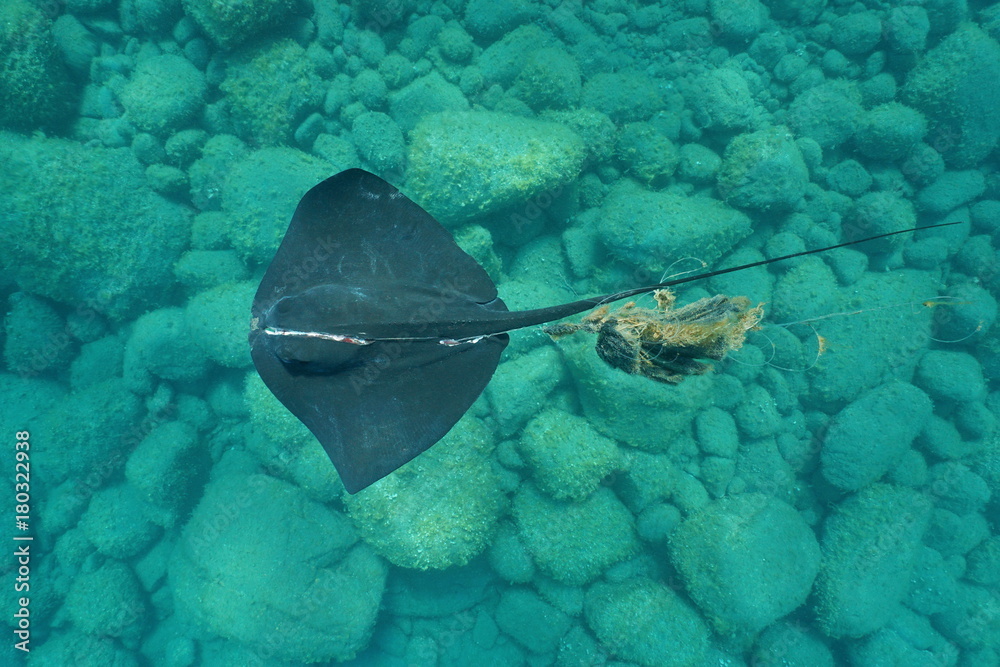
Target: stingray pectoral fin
393	402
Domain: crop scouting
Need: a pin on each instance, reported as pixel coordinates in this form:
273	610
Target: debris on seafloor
664	343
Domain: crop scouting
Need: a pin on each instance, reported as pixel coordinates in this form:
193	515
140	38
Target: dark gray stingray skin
377	331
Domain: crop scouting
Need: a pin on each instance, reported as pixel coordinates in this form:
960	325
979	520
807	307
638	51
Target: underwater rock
233	22
550	79
270	90
161	346
868	437
164	94
890	131
163	470
746	560
949	376
954	84
762	170
379	141
861	350
647	623
521	386
311	596
869	546
466	165
89	436
88	230
652	229
260	192
217	322
35	89
573	542
629	408
427	95
567	457
108	602
37	338
115	523
530	620
438	511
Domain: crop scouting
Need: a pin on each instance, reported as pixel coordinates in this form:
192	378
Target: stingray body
377	331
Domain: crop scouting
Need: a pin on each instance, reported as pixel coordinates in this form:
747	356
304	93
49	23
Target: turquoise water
827	494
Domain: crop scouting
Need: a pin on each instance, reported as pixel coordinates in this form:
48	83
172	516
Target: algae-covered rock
624	96
954	84
530	620
311	596
647	623
652	229
35	89
790	643
648	154
890	131
871	434
217	320
115	524
427	95
231	22
746	561
261	193
165	469
949	376
83	228
521	386
573	542
862	349
108	602
440	509
465	165
567	457
721	100
550	79
379	141
88	435
164	93
76	647
827	113
869	546
161	345
877	213
37	338
763	170
629	408
270	90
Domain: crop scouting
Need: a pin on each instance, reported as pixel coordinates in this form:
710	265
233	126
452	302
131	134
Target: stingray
378	332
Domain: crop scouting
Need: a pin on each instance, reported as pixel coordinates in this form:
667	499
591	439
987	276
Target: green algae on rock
652	229
464	165
260	192
439	510
164	93
573	542
647	623
763	170
270	90
311	596
229	23
35	88
747	561
955	86
869	547
89	231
